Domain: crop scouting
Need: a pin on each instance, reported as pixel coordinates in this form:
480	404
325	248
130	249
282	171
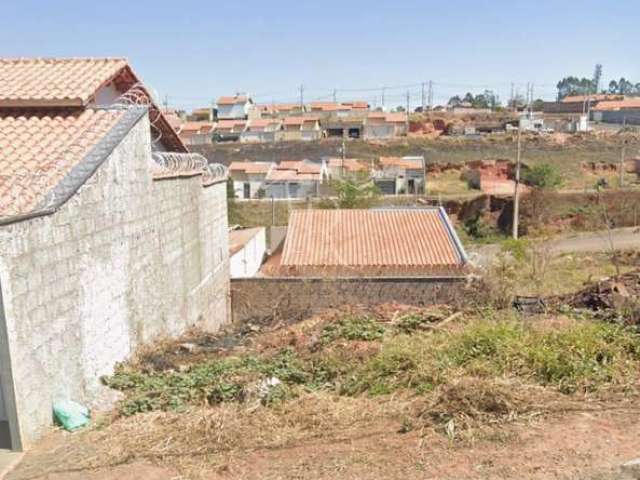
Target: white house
295	179
382	126
400	175
262	130
297	128
247	249
237	107
249	178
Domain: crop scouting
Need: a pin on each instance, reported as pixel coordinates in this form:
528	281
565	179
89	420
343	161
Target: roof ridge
61	59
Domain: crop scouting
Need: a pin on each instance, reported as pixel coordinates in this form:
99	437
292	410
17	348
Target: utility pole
383	89
344	152
423	98
512	101
301	96
335	96
622	155
430	95
407	112
516	193
166	103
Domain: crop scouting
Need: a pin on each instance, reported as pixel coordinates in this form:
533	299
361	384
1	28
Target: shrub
543	176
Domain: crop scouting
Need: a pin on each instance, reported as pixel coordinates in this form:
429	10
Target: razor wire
138	96
173	162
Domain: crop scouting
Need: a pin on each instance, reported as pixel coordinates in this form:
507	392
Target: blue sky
194	51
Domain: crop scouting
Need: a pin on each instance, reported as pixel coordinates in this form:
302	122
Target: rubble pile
615	298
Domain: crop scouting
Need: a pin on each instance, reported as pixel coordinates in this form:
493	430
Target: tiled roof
390	117
36	153
190	128
617	104
357	105
300	166
364	241
594	98
349	164
236	99
237	125
402	162
278	175
54	81
262	123
250	167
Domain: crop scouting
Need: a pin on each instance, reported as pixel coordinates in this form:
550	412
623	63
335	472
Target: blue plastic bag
71	415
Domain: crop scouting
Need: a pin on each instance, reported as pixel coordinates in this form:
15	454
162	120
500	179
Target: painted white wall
247	261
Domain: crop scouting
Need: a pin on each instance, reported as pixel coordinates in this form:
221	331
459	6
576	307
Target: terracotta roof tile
36	153
349	164
236	99
402	162
190	128
250	167
349	241
617	104
55	81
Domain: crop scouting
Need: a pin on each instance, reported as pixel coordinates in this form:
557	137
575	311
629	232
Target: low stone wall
291	299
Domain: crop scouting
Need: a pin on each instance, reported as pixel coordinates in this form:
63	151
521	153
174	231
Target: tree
543	176
352	194
400	108
454	101
569	86
468	98
538	105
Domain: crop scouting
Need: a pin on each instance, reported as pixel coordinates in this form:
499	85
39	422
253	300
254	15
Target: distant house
417	242
493	177
343	127
204	114
625	111
400	175
301	128
247	249
229	130
382	125
237	107
262	130
358	106
280	109
294	179
196	133
347	167
249	178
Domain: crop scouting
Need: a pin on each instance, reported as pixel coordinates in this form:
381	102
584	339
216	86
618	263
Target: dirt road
617	239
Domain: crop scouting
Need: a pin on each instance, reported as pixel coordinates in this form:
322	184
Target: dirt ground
575	446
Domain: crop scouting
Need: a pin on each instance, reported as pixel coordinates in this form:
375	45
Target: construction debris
615	298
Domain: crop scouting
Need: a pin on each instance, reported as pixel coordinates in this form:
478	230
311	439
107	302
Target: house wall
126	260
247	261
291	189
378	131
236	111
254	299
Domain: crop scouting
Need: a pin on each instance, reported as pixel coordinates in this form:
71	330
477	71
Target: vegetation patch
584	357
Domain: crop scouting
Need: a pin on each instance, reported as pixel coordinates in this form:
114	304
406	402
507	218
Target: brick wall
291	299
127	259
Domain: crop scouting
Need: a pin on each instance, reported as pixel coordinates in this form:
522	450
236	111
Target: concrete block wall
291	299
127	259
